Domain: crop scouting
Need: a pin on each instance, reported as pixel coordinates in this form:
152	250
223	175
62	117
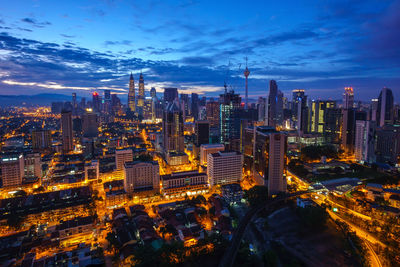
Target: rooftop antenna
226	76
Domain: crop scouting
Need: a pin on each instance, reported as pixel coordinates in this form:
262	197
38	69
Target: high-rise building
271	116
388	144
122	156
12	169
265	154
96	102
107	102
229	117
74	104
67	133
224	167
332	127
202	133
90	124
139	176
298	96
115	104
318	114
348	98
373	109
185	104
153	92
364	148
170	94
140	102
195	106
212	109
348	130
261	108
385	107
209	149
131	94
172	125
41	139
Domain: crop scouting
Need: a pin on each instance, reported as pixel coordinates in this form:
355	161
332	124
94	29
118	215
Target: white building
140	175
12	170
207	149
224	167
182	183
122	156
364	149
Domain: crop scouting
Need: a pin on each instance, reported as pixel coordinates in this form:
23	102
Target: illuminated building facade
139	176
229	117
67	133
224	167
12	170
385	110
131	94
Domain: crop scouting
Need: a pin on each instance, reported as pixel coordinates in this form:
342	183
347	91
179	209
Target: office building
265	156
271	109
364	147
172	126
195	106
202	132
229	117
385	111
212	110
140	102
41	139
122	156
96	102
209	149
170	94
153	92
141	176
261	108
90	124
348	98
12	169
131	95
224	167
67	133
388	144
319	114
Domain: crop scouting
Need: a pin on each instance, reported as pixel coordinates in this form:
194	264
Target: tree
257	195
313	217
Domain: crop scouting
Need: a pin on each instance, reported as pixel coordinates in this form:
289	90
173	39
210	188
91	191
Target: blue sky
82	46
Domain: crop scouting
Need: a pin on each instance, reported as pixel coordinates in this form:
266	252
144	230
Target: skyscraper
140	102
96	101
202	133
74	104
224	167
348	98
195	105
107	102
229	117
271	116
385	107
153	92
300	110
318	114
131	94
265	152
172	125
67	134
364	148
90	124
170	94
41	139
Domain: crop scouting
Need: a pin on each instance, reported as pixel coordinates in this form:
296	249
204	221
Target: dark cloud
67	36
35	23
123	42
198	61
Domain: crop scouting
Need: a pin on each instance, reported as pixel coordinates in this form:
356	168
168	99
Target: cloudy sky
317	45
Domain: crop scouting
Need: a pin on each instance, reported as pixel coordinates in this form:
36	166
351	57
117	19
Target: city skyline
320	48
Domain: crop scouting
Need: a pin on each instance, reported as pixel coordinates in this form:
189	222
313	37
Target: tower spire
246	75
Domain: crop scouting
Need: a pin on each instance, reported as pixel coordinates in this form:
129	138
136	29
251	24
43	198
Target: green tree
257	195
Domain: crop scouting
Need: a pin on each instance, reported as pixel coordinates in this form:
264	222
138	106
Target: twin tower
132	95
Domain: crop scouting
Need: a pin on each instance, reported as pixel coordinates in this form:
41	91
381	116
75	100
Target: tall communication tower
246	74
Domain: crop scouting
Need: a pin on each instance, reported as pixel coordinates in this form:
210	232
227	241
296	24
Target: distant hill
32	100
